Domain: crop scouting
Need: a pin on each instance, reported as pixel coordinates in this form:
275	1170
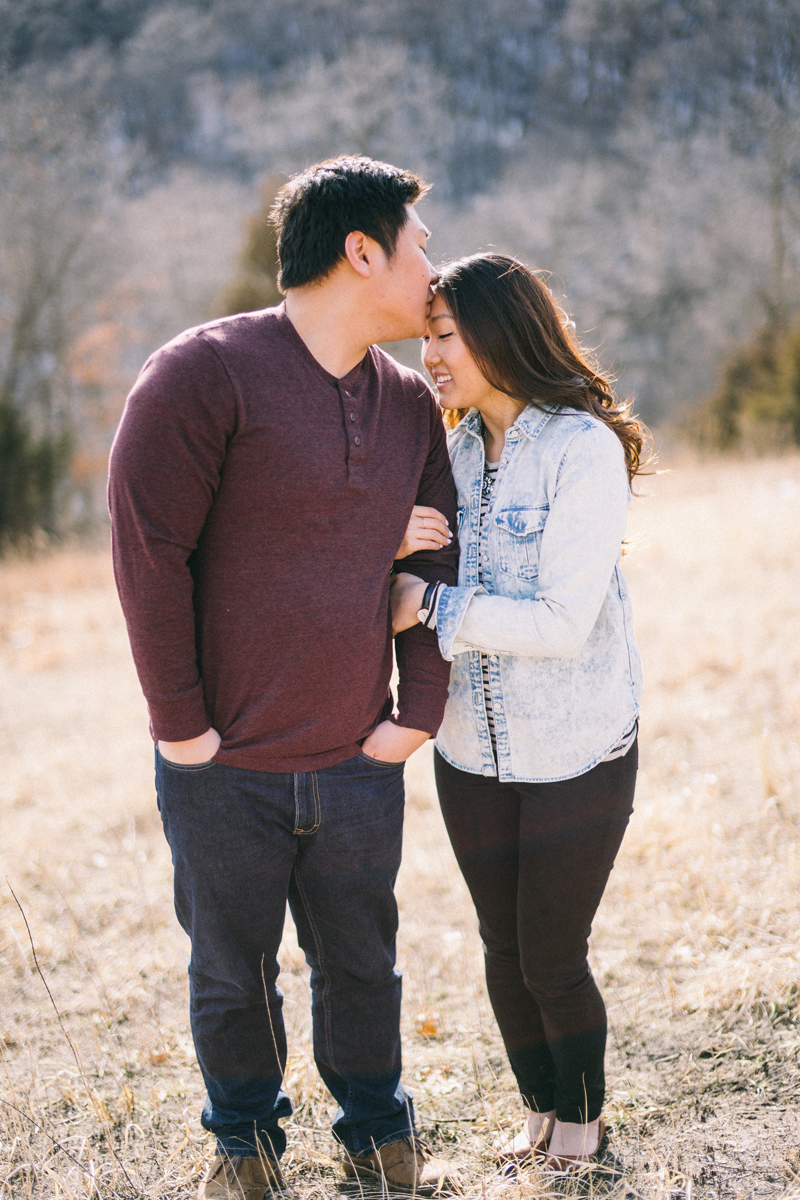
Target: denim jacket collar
530	421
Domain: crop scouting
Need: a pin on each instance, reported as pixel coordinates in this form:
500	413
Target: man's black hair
314	212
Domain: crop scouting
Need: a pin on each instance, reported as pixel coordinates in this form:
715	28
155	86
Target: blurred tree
255	286
757	400
645	149
47	30
31	469
52	184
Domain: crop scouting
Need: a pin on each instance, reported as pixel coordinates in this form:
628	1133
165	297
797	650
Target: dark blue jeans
329	841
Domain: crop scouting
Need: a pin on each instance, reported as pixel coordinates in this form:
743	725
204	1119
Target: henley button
352	416
357	440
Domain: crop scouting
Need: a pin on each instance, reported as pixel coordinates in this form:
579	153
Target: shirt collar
351	380
529	421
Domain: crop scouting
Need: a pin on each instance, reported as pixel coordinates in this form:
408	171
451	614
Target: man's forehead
414	222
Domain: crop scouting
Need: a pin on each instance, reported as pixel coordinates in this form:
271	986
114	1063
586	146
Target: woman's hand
427	530
406	595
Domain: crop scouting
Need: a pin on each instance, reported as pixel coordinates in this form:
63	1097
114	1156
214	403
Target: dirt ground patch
696	945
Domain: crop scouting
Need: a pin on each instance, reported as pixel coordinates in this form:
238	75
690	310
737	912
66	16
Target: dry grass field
697	944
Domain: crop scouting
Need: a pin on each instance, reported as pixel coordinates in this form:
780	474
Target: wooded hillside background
644	151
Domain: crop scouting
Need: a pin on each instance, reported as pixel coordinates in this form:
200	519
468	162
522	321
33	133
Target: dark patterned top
487	490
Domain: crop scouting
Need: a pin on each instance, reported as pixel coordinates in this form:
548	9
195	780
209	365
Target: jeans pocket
377	762
201	766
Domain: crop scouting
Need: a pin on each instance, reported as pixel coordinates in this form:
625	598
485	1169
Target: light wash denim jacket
553	614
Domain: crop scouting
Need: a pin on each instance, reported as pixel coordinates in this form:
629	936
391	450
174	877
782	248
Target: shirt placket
352	413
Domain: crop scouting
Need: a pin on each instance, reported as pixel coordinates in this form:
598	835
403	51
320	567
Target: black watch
424	610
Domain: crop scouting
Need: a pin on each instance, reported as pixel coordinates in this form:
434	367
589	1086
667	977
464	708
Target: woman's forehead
439	309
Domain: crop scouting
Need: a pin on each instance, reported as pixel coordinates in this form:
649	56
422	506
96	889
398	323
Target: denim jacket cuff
450	613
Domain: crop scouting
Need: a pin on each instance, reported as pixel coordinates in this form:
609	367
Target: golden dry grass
696	943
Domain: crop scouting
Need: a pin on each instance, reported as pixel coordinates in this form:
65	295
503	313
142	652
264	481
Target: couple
269	472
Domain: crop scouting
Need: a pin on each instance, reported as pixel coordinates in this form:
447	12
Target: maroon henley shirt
257	504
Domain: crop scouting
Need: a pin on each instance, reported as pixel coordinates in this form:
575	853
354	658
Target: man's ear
359	251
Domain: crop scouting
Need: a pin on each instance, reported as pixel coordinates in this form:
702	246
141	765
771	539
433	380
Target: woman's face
457	376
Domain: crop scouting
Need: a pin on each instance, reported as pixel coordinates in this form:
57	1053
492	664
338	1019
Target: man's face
406	280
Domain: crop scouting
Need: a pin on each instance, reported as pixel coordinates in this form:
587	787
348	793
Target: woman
536	757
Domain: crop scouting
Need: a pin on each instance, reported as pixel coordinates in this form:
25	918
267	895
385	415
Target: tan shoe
530	1142
232	1177
407	1166
570	1164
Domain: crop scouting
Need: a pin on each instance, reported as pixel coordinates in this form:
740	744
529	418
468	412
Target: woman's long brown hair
526	347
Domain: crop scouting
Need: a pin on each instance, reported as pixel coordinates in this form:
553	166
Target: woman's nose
429	354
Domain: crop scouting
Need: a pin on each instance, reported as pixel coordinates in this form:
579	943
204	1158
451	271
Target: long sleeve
579	550
423	673
164	472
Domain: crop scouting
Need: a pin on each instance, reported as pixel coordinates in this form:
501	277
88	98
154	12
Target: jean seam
315	789
246	1152
375	1144
313	928
317	805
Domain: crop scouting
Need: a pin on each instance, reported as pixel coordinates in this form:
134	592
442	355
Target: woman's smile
450	364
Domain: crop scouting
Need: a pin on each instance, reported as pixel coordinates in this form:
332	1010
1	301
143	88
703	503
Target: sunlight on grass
696	944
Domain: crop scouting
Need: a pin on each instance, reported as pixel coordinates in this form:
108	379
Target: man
261	482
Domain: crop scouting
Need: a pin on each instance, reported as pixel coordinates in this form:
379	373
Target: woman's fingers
424	540
410	545
429	519
427	530
420	510
429	537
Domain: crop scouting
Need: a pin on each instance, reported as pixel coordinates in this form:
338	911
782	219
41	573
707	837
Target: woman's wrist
426	613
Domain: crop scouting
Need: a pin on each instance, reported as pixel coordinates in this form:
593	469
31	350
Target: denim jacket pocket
519	536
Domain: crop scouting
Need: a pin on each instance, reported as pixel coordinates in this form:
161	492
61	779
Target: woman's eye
442	336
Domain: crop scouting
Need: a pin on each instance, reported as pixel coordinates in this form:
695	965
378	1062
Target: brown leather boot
232	1177
407	1166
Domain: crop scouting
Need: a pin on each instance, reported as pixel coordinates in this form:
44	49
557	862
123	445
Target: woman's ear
359	249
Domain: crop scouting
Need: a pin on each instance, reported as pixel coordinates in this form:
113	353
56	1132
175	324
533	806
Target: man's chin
413	330
403	327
